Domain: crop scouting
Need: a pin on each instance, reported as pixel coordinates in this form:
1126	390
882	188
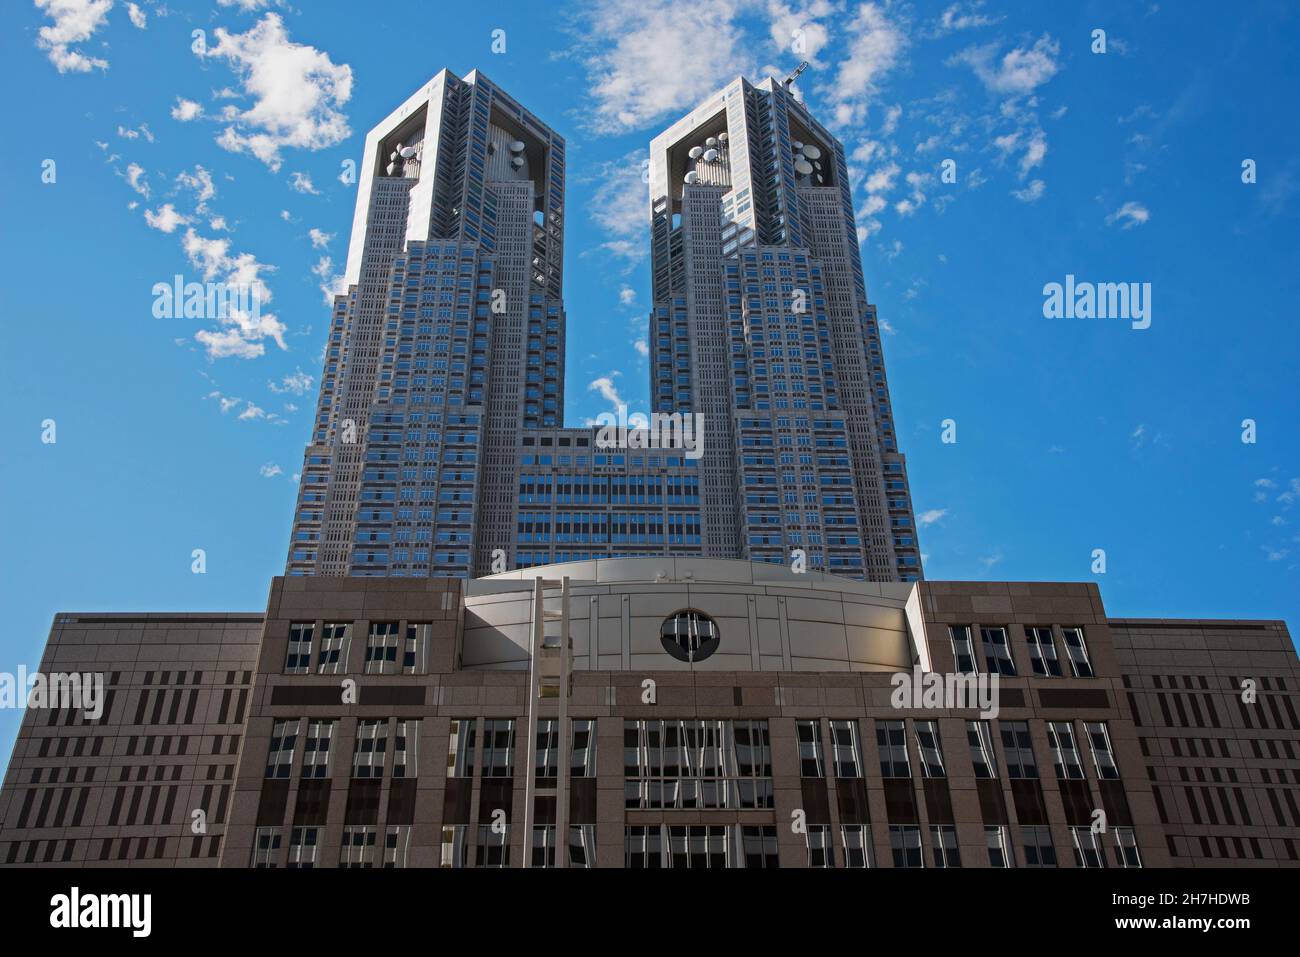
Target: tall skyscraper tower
439	447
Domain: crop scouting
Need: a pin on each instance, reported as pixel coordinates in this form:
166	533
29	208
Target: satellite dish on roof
812	152
517	161
711	141
710	155
802	167
696	152
692	176
407	152
722	137
798	145
516	146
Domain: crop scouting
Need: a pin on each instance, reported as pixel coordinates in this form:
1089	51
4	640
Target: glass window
460	749
333	656
371	747
1126	849
381	648
316	749
905	845
856	839
1042	652
1018	750
279	759
847	749
358	847
982	757
809	734
998	840
498	748
927	745
1039	850
1102	756
1077	651
963	652
1065	754
1087	850
891	738
997	653
821	850
943	842
298	660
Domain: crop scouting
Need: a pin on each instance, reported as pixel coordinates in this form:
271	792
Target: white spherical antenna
798	145
711	141
710	155
516	161
722	137
516	146
692	176
407	152
695	152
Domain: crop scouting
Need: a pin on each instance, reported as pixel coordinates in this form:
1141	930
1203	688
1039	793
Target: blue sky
1072	434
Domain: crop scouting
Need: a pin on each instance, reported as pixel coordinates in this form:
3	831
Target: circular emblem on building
689	635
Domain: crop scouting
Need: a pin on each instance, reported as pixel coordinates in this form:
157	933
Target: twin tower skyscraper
439	446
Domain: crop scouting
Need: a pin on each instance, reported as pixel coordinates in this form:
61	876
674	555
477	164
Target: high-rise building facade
439	446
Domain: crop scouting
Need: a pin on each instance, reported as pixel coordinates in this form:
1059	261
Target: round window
689	635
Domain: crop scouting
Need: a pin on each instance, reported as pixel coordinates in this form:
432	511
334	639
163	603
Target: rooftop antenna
795	75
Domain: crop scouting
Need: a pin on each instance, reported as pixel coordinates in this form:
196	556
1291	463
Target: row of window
699	846
692	763
891	740
387	652
995	651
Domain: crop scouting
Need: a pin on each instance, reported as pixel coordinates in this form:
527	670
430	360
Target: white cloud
646	59
241	333
788	23
332	284
620	206
1018	72
930	516
954	19
1130	214
301	183
166	219
627	296
138	18
642	347
605	386
319	238
1031	193
298	93
252	411
75	21
875	46
200	182
298	383
988	561
1035	151
128	133
882	180
270	470
135	178
186	110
